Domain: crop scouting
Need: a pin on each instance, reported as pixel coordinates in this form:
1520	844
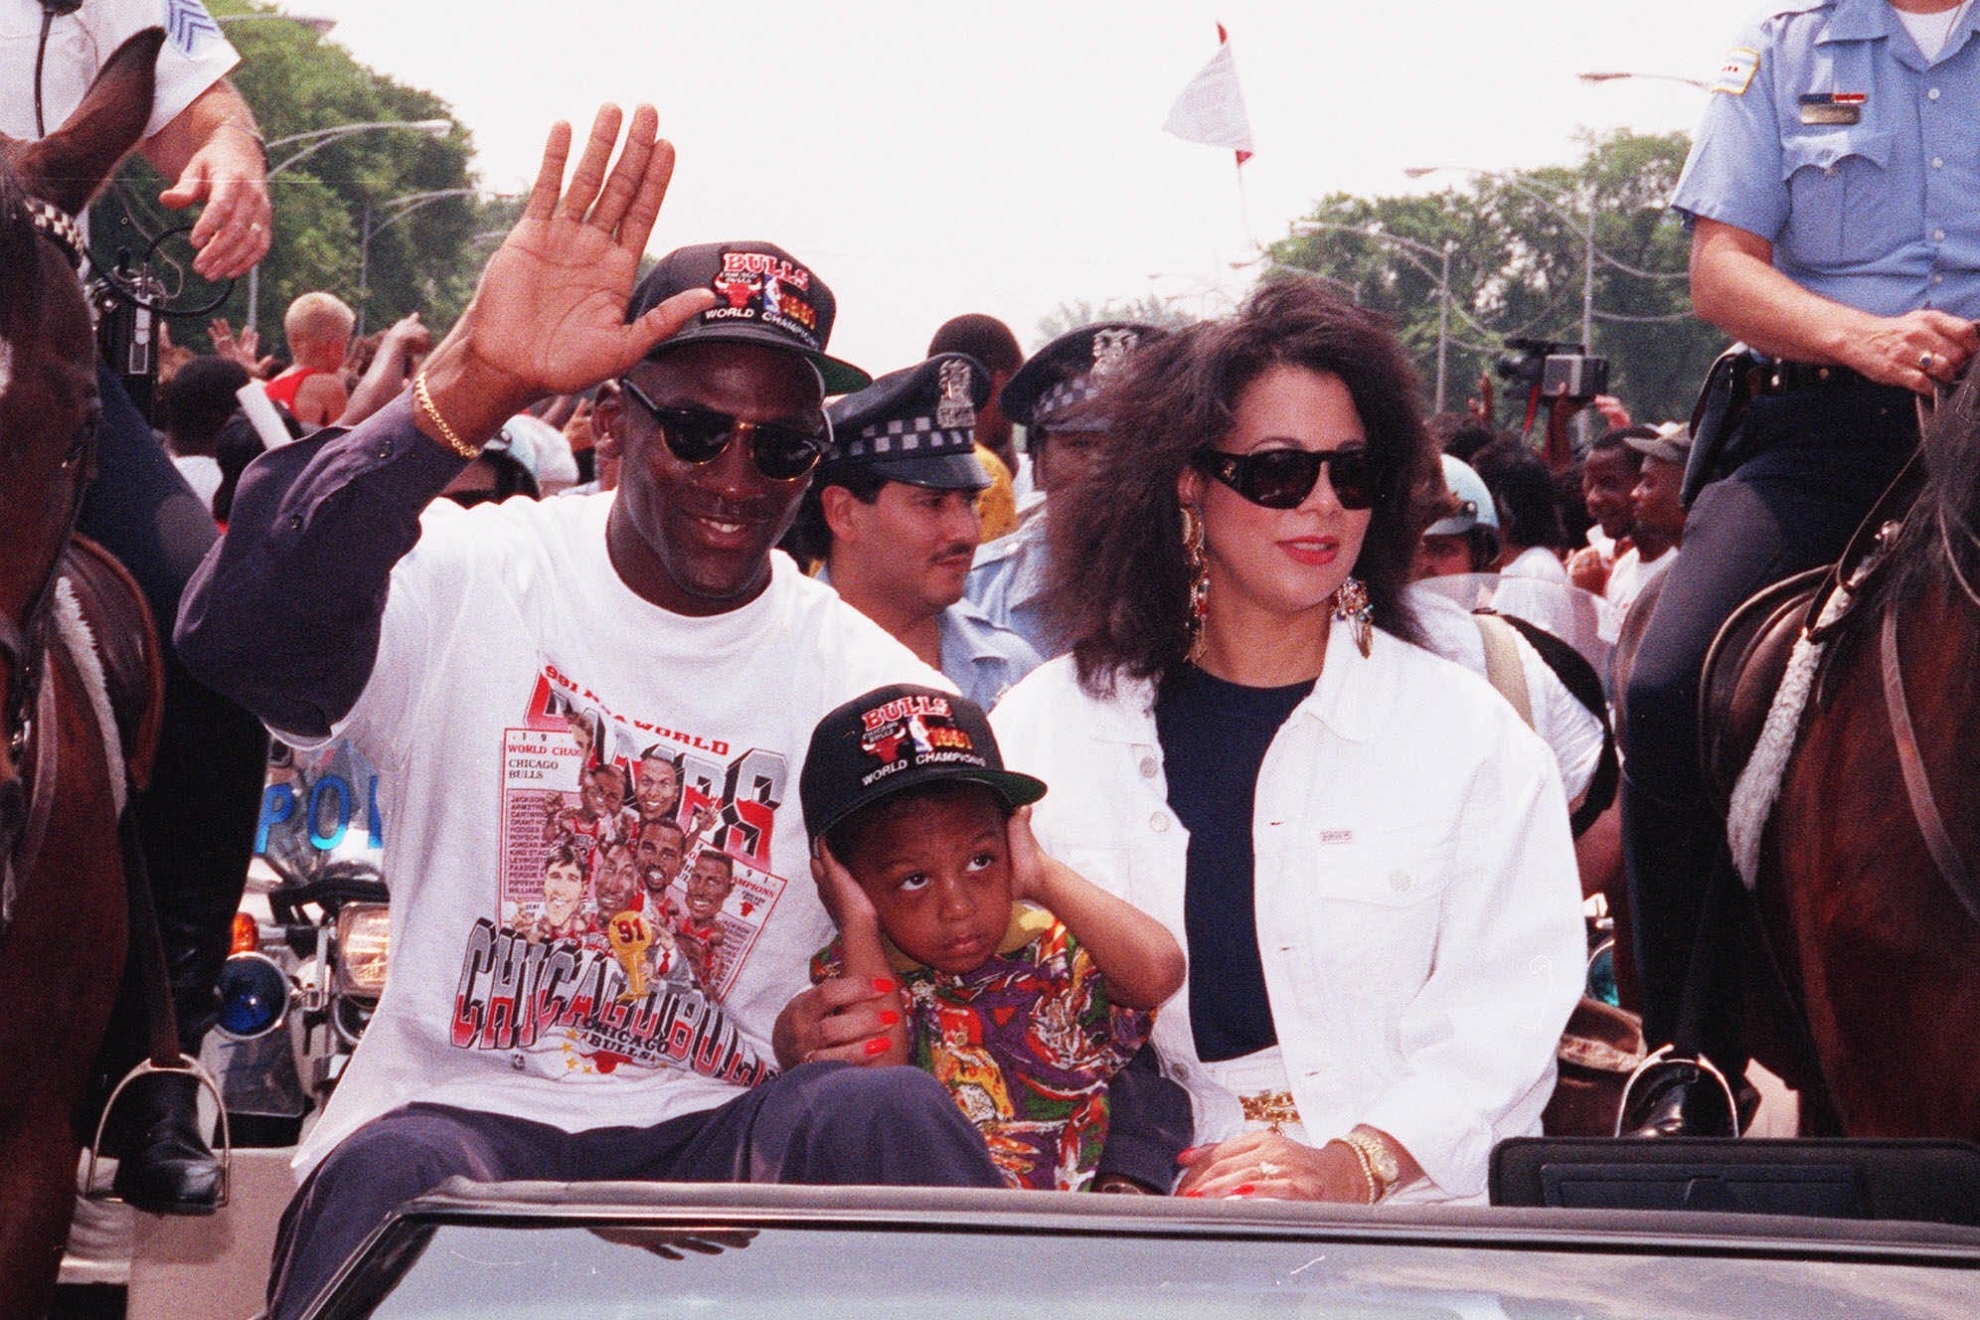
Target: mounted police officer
1833	197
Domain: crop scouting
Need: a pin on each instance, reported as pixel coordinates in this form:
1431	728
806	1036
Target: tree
427	261
1518	253
1147	310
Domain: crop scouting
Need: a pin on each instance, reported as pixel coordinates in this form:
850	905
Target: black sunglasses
699	435
1283	478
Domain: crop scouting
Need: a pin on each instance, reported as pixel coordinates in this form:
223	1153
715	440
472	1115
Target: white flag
1211	109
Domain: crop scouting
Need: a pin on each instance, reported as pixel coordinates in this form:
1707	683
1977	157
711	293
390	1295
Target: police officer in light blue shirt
1833	198
1055	397
893	516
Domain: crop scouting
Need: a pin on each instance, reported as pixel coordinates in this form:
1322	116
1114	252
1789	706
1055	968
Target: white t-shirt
514	670
202	473
1931	31
195	56
1570	729
1631	575
1537	562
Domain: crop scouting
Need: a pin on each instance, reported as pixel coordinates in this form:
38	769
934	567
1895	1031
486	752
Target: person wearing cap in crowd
443	644
1056	397
1656	510
991	343
1465	540
892	513
1029	988
1833	200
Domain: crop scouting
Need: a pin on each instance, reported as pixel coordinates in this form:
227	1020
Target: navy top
1214	736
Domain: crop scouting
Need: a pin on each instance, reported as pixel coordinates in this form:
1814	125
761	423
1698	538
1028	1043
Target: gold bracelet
424	399
1367	1169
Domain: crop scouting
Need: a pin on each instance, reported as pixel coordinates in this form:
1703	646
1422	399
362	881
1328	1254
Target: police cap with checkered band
916	425
1052	390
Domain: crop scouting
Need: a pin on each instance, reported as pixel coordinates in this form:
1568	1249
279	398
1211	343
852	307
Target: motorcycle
311	945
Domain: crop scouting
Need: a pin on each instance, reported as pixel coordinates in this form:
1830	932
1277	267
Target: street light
1606	76
1585	234
390	213
319	138
319	25
1443	254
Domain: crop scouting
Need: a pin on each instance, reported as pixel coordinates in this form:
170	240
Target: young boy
1028	987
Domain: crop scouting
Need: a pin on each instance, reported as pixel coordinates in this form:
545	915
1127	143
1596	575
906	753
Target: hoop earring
1351	607
1199	576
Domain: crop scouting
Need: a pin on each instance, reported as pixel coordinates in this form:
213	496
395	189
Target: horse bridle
23	644
1925	812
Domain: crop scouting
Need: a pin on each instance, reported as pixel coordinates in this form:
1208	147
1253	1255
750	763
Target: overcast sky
1006	156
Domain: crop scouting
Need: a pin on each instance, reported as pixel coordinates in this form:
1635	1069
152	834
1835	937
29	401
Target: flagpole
1244	209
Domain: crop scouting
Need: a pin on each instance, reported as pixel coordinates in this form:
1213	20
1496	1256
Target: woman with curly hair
1362	848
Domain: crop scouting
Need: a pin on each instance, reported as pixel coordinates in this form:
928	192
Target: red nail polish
889	1018
1244	1189
1191	1192
878	1045
884	985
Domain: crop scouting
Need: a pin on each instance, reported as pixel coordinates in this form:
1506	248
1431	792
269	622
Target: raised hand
549	314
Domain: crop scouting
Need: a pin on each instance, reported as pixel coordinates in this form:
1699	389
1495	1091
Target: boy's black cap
896	738
1049	389
916	425
764	296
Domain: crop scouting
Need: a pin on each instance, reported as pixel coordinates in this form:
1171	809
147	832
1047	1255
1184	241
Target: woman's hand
851	1019
1272	1166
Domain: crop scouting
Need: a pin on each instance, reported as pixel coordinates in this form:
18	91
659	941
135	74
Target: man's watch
1377	1161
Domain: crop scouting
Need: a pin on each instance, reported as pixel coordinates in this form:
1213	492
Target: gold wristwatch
1377	1161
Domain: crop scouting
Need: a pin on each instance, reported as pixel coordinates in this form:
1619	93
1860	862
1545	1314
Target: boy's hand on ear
1027	858
840	893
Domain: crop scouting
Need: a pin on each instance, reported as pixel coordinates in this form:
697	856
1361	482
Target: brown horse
1866	871
77	654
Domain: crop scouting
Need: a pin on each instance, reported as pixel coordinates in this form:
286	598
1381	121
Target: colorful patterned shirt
1026	1044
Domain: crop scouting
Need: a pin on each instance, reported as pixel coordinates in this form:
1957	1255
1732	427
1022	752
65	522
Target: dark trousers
823	1123
198	819
1812	464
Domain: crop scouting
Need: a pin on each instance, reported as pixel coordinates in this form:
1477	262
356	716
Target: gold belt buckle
1271	1108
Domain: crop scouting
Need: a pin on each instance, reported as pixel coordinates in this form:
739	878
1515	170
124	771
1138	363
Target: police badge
1111	349
953	409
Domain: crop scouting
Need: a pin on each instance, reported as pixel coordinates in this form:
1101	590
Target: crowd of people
791	775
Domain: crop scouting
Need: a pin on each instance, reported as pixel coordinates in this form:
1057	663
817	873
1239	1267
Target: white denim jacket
1419	913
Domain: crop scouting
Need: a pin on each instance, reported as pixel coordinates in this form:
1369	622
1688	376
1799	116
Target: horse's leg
60	965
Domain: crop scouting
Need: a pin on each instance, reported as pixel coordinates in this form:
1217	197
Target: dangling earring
1199	576
1352	608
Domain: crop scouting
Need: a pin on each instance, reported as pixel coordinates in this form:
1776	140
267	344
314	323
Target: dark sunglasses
698	435
1283	478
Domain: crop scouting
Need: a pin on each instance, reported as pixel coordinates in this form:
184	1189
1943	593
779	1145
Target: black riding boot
197	819
167	1167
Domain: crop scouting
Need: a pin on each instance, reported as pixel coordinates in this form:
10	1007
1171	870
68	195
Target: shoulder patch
1736	73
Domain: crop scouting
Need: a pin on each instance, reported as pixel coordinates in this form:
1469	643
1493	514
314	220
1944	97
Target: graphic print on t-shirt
633	882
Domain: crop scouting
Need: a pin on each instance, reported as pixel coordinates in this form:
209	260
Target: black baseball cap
763	294
1051	389
916	425
896	738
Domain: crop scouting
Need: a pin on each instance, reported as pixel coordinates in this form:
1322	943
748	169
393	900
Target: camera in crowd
1548	370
